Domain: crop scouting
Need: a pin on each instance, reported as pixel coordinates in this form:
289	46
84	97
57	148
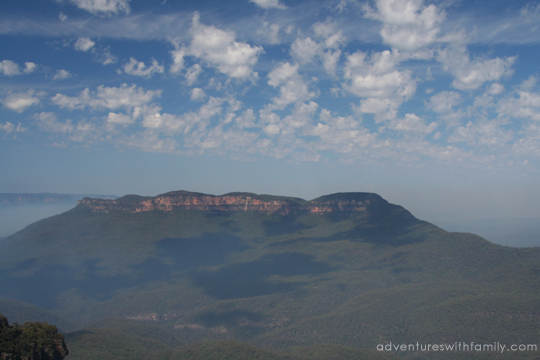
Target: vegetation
165	281
31	341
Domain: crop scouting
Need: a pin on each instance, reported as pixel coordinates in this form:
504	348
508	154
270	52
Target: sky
434	105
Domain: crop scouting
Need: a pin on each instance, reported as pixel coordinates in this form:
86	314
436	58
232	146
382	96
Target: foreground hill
348	269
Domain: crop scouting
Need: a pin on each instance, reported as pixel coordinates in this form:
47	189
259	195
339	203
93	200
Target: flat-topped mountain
185	200
348	269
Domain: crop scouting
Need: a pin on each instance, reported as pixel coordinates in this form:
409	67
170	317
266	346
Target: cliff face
184	200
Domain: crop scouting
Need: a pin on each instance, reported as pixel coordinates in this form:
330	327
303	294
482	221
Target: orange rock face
183	200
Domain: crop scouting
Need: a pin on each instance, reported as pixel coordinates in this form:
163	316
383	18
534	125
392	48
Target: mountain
281	273
46	198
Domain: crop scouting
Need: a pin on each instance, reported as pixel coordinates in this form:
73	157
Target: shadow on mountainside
40	284
251	278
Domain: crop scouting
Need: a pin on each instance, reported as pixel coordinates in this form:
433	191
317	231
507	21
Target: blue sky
435	105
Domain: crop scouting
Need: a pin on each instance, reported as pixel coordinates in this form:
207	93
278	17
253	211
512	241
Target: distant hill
47	198
279	273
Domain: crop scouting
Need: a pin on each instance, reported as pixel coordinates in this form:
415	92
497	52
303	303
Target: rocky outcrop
31	341
185	200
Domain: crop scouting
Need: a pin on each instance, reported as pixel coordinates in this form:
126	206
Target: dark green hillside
20	312
348	269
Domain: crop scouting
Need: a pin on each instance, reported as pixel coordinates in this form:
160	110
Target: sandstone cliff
185	200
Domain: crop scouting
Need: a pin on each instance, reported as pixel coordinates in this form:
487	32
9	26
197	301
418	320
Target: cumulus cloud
197	94
49	122
187	122
408	24
471	74
9	127
483	132
375	79
192	74
218	48
103	6
332	37
83	44
20	101
292	87
444	101
105	57
120	119
149	141
525	104
305	50
107	97
139	68
325	49
178	60
10	68
62	74
269	4
412	123
270	32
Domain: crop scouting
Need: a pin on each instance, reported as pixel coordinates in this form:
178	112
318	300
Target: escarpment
185	200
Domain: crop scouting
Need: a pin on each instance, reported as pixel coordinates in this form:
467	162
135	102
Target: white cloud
305	50
21	101
495	89
49	122
29	67
301	115
178	60
106	58
270	32
483	132
197	94
7	127
149	141
138	68
120	119
408	25
444	101
376	80
218	49
529	84
63	17
332	38
471	74
192	74
292	86
191	121
526	104
10	68
83	44
62	74
412	123
269	4
107	97
103	6
330	60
